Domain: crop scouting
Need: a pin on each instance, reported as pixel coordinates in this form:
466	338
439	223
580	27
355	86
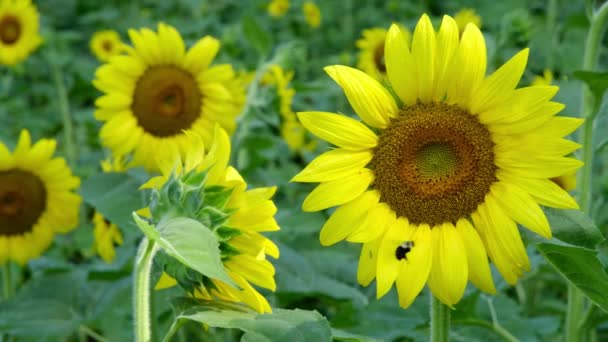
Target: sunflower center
22	201
166	100
106	45
434	163
10	29
379	58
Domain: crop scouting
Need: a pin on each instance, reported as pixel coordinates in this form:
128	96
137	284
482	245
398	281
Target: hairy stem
141	288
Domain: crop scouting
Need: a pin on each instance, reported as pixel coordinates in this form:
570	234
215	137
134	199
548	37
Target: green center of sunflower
10	29
166	100
434	163
22	201
379	58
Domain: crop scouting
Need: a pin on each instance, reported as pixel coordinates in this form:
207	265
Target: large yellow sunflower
371	55
37	199
435	181
19	30
250	213
159	89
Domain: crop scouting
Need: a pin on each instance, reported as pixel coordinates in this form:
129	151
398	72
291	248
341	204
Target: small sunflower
250	212
105	44
37	199
543	80
434	182
312	14
278	8
158	90
19	30
371	55
466	16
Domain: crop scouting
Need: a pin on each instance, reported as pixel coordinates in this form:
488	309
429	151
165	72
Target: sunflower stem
7	281
589	109
64	108
141	287
440	321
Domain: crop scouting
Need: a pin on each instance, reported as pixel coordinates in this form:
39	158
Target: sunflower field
303	170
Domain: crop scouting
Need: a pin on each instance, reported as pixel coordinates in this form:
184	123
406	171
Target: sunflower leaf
574	227
596	81
256	35
280	325
194	245
581	268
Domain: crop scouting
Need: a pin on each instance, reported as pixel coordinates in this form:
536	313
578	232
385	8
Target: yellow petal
468	67
524	103
370	100
347	218
424	46
388	266
544	191
477	258
217	159
339	130
400	66
447	44
415	270
374	224
199	57
165	282
258	272
521	207
450	271
499	86
367	262
544	167
338	191
334	164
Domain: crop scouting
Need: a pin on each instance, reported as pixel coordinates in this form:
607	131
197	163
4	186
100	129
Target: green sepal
212	217
217	196
226	233
227	251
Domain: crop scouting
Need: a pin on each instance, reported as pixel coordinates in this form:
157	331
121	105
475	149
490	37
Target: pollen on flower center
22	201
10	29
434	163
166	100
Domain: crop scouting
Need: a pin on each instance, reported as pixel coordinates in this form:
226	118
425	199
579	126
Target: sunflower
37	199
545	79
466	16
19	26
312	14
249	212
105	44
158	90
371	55
435	181
278	8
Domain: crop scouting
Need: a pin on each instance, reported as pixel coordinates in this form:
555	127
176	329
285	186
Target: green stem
92	334
141	287
64	108
7	281
589	108
551	21
440	321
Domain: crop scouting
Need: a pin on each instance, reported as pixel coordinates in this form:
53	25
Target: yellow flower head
466	16
251	213
546	79
37	199
106	235
158	90
371	51
312	14
19	30
278	8
105	44
435	185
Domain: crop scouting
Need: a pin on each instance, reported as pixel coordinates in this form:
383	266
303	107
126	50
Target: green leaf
145	227
341	335
256	35
38	317
574	227
582	268
194	245
596	81
115	196
280	325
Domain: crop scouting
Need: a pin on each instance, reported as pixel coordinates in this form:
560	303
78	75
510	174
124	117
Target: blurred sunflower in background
37	199
278	8
434	182
545	79
106	234
312	14
466	16
105	44
247	214
19	30
371	51
158	90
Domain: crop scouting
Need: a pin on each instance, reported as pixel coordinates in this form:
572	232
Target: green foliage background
70	290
